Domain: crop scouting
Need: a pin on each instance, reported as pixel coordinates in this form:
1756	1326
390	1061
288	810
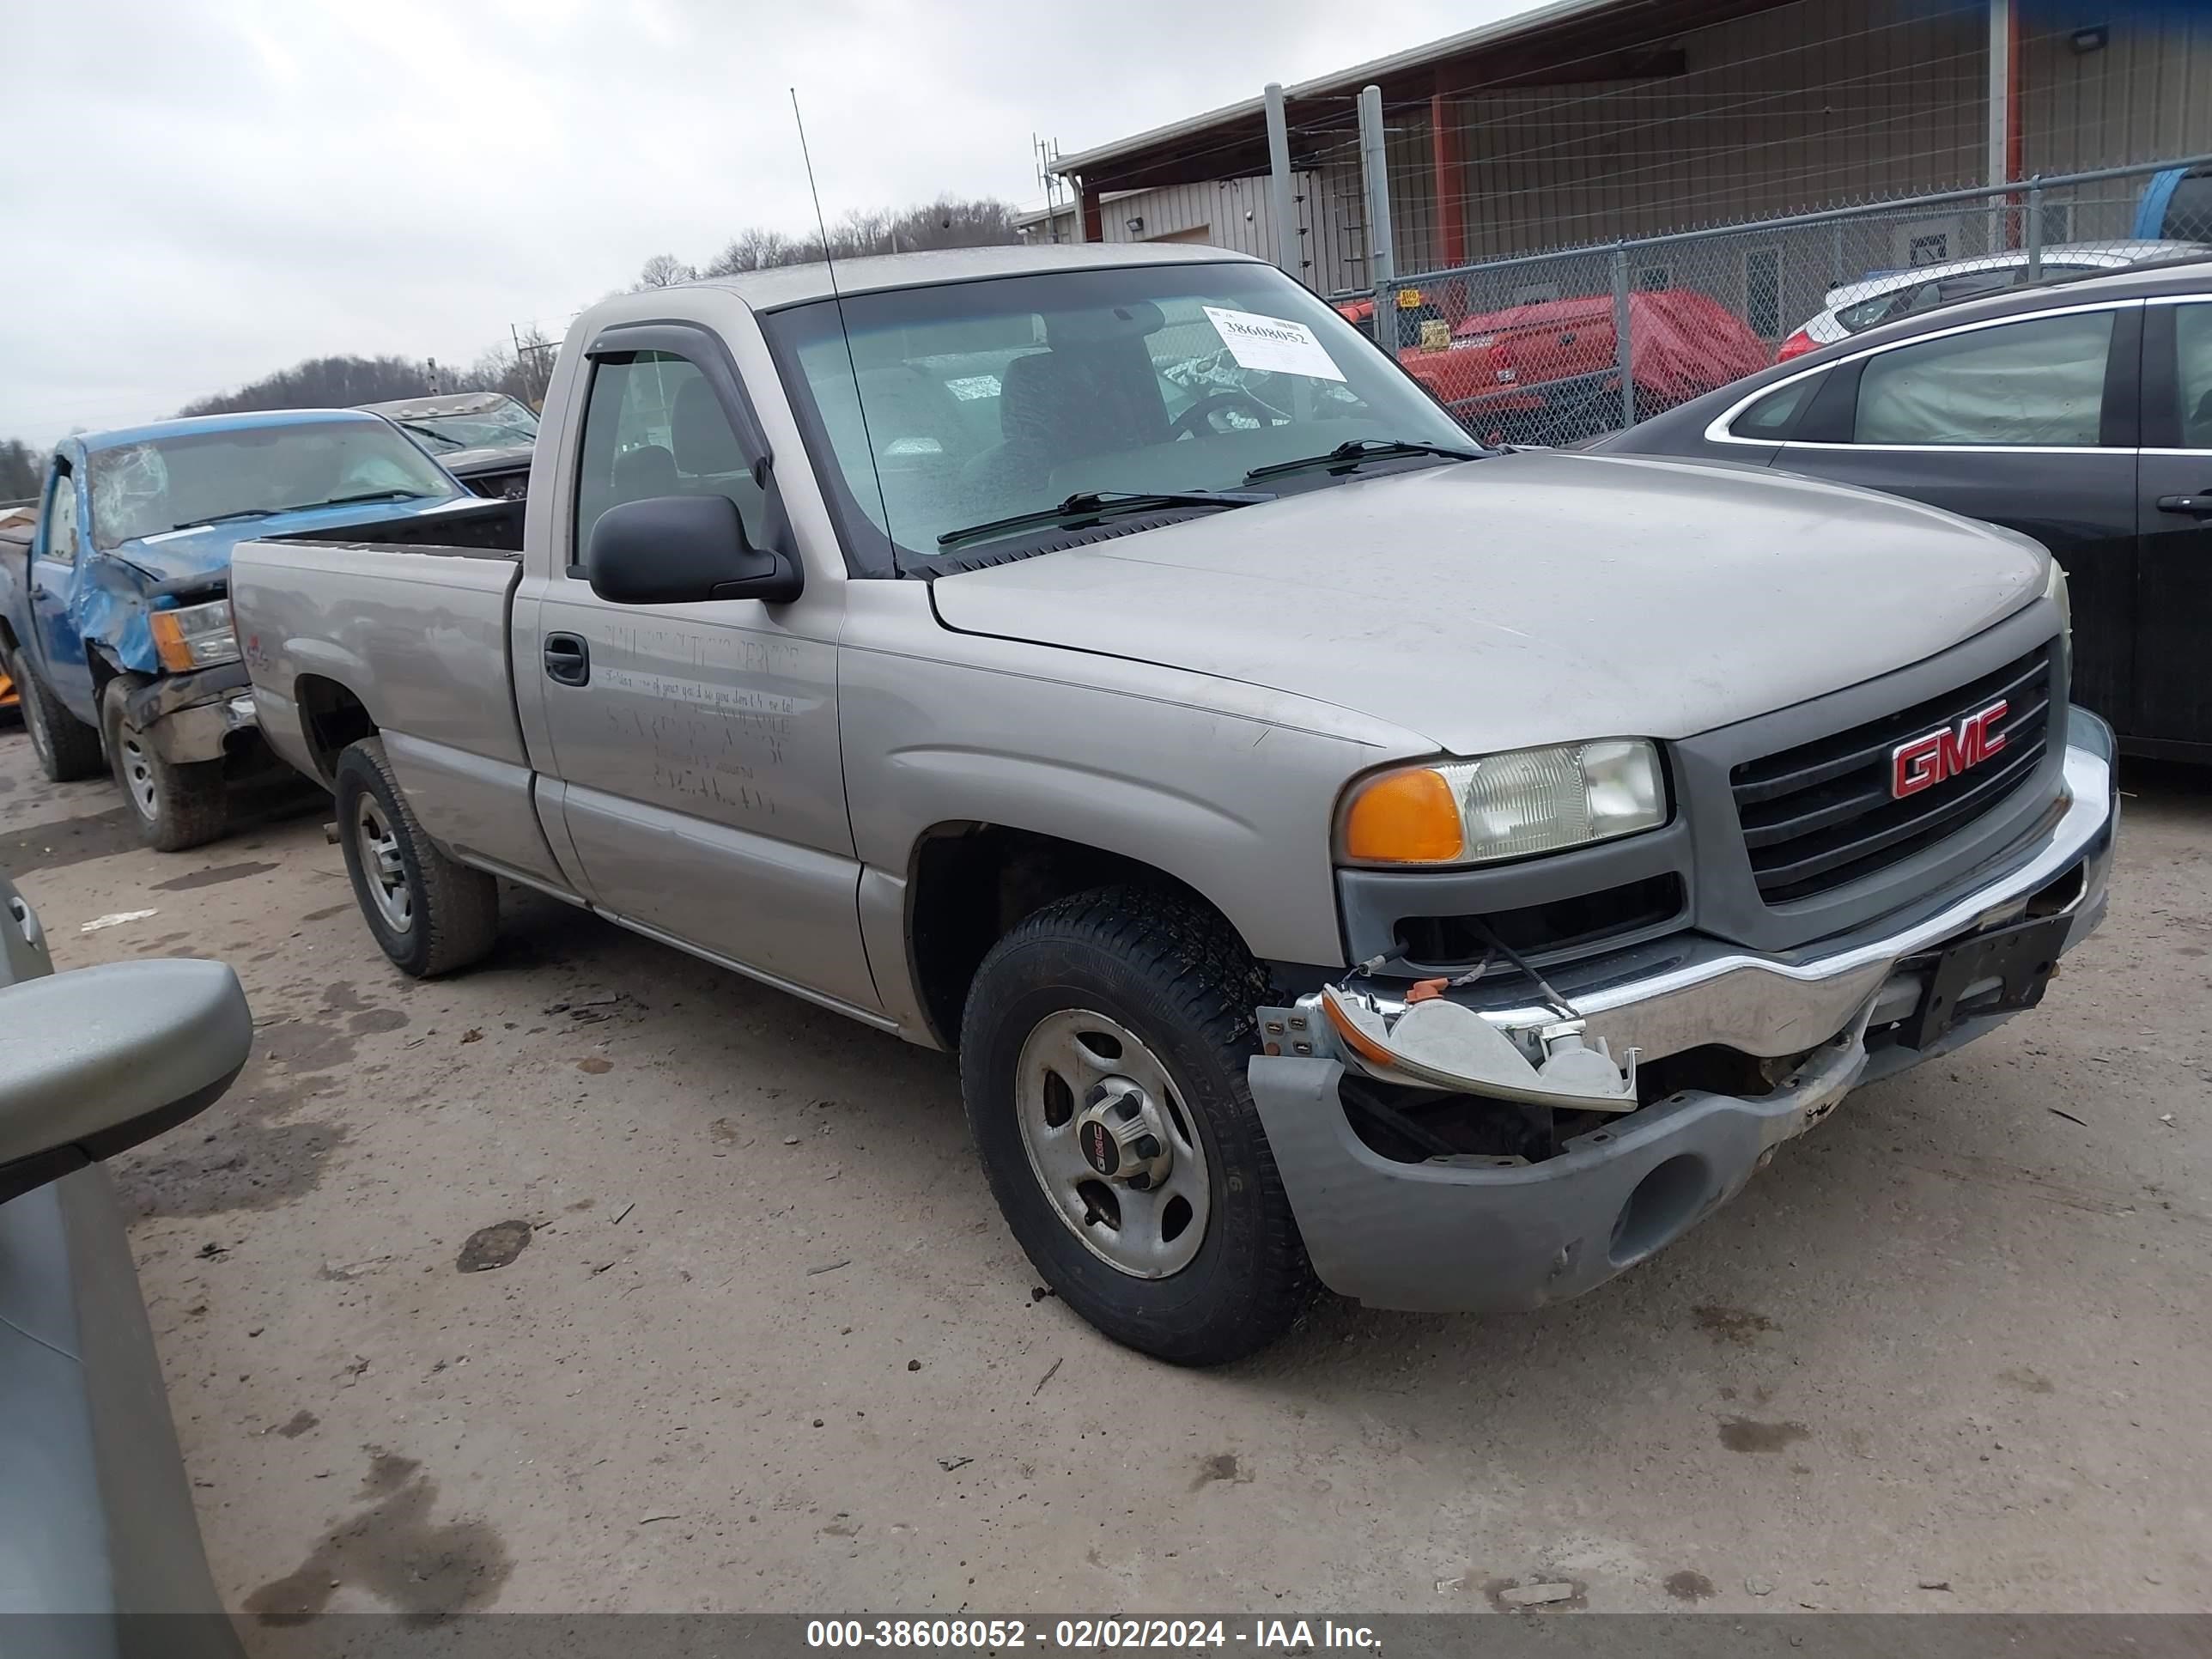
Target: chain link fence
1558	348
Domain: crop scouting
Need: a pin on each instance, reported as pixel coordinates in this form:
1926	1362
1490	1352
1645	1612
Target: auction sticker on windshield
1273	345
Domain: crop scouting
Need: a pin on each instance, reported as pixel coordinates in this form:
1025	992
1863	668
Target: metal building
1590	120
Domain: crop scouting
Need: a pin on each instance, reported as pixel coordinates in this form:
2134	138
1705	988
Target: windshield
976	402
509	427
168	483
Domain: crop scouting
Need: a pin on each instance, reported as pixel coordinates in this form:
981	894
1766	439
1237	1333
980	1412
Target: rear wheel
1102	1059
430	914
175	805
66	747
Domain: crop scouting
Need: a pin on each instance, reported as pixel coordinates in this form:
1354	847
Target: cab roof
244	420
790	285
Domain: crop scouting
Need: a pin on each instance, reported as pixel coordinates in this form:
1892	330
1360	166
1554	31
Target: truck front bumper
191	717
1477	1234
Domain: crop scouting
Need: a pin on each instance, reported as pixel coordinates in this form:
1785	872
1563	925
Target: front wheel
1101	1060
429	913
175	805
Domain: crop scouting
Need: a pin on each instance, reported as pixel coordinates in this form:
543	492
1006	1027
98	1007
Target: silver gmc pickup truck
1338	855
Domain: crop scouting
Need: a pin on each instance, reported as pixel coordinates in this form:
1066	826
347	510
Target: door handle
567	658
2197	507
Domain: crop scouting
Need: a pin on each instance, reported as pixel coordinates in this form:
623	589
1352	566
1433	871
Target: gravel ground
768	1346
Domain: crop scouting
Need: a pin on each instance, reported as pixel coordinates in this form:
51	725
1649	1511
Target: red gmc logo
1926	761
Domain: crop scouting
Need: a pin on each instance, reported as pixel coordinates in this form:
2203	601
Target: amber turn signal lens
1404	817
169	644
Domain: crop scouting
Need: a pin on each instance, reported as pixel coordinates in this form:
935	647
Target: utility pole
1375	170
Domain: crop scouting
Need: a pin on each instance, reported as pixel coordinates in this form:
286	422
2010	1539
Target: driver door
55	557
697	744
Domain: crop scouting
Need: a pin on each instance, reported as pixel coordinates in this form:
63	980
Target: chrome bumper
1473	1233
1772	1006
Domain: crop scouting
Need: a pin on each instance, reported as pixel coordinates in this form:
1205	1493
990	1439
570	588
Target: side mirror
676	550
94	1061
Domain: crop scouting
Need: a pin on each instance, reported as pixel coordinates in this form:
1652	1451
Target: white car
1894	294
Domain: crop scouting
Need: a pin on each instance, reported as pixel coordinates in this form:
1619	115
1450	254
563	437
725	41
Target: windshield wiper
1364	449
365	496
225	518
431	433
1098	503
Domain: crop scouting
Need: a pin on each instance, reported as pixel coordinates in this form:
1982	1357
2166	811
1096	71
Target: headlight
1505	806
191	637
2054	587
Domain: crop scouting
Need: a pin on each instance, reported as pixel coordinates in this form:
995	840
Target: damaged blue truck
114	607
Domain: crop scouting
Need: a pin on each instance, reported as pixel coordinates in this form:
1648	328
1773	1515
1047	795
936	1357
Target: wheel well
104	668
331	717
970	882
8	640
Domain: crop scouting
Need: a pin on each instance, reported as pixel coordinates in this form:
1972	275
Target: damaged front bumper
1470	1232
192	716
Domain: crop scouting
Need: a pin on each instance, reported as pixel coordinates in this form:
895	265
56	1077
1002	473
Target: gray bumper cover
1473	1234
190	717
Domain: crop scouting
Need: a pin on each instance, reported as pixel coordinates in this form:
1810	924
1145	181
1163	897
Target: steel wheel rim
139	782
383	867
1152	1234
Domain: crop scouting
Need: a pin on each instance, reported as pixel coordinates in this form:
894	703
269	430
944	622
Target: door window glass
2039	382
61	519
2192	342
653	426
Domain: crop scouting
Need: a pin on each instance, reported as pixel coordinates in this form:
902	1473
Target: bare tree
949	221
664	271
754	249
20	467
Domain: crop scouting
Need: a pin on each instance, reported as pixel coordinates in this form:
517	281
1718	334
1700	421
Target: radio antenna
838	299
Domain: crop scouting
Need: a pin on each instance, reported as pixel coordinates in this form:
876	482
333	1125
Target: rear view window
2039	382
1772	416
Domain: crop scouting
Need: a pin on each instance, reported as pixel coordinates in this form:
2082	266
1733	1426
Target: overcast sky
197	192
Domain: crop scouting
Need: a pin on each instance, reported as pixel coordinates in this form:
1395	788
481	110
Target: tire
66	747
174	804
1169	975
430	914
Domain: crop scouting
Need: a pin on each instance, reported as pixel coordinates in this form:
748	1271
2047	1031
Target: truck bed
478	531
414	629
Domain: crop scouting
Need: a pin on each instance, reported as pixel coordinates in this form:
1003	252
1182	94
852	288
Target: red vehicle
1547	373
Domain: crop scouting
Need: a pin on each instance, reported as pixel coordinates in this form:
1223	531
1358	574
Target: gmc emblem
1926	761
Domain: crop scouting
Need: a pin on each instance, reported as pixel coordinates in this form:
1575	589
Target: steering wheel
1188	423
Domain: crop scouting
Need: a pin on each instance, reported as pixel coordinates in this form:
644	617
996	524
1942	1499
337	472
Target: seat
645	472
708	458
701	433
1074	401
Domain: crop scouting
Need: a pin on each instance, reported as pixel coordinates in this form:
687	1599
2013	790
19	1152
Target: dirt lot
770	1347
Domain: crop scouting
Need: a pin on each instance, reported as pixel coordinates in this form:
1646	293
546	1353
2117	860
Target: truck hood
205	550
1530	599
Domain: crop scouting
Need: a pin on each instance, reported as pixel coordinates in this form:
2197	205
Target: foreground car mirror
95	1061
678	550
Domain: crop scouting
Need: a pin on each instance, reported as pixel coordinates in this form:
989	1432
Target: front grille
1822	815
1577	926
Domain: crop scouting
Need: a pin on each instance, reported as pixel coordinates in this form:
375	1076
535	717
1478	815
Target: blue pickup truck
114	605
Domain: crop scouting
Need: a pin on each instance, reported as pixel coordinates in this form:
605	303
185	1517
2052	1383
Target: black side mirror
676	550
